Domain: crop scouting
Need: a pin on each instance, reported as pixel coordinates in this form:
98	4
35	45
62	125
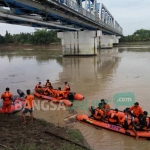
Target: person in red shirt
137	110
7	97
28	106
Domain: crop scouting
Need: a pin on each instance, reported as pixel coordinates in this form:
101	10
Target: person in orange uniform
137	110
105	107
28	106
114	118
67	87
48	91
48	84
7	97
38	86
98	114
60	94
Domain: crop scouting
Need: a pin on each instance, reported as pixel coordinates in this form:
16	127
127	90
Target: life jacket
47	91
98	114
29	102
113	117
48	84
60	94
6	96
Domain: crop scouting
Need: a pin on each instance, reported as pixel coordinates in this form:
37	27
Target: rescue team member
48	91
98	114
60	94
114	118
7	97
142	124
28	106
38	86
129	119
137	110
48	84
105	107
67	87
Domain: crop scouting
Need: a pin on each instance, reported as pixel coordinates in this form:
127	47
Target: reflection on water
96	77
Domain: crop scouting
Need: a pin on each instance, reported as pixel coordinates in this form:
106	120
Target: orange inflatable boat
86	119
17	105
71	95
55	100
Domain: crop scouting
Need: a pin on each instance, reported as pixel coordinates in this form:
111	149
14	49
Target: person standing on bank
7	97
28	106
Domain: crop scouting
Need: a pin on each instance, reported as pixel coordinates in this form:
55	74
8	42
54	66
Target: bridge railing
71	4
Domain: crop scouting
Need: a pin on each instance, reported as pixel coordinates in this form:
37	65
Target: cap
136	103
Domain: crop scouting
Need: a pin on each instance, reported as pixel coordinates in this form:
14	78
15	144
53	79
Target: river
111	71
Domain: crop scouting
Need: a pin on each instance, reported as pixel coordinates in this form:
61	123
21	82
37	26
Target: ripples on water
101	76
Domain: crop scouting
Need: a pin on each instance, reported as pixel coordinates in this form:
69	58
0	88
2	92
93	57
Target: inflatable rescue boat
106	125
16	105
71	95
66	102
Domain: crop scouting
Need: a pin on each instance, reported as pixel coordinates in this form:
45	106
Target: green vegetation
39	37
138	36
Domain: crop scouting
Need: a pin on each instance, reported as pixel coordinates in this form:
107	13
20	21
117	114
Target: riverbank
133	44
28	47
39	135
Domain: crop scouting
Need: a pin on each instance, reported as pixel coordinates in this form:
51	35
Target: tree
2	39
8	38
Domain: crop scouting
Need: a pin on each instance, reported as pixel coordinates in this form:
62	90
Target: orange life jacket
113	117
6	96
60	94
48	84
98	114
29	102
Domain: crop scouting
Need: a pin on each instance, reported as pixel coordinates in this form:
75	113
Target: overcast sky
130	14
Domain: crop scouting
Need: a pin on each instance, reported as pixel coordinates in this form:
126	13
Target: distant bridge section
81	29
58	14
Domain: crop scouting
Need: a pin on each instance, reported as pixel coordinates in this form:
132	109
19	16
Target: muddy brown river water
111	71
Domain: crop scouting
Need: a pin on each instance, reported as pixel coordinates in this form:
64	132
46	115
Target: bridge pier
106	41
116	39
79	42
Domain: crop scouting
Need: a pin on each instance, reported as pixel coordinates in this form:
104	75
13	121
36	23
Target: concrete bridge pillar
116	39
79	42
106	41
